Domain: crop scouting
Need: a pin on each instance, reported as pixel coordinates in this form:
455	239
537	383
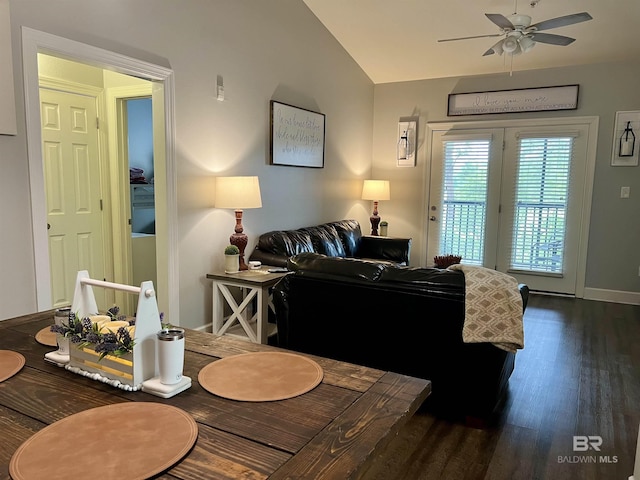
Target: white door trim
120	197
34	42
592	124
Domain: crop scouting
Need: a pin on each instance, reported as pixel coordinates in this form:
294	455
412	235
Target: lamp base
240	240
375	221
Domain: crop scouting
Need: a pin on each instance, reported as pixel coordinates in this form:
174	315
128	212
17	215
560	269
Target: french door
511	199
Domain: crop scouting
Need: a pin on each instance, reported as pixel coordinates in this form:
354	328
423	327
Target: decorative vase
231	263
63	344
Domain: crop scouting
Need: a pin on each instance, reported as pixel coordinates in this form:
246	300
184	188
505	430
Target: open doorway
139	148
89	150
161	81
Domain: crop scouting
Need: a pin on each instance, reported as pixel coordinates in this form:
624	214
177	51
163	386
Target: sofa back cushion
346	268
341	238
350	235
286	243
325	240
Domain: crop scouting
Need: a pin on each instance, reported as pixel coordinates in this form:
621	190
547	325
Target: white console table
237	293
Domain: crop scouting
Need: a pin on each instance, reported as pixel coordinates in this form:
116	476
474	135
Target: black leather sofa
402	319
342	238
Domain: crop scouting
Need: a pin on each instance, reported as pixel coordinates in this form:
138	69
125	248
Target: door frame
34	42
591	122
120	196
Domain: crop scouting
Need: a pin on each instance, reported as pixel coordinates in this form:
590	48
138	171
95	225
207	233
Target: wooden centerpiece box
135	368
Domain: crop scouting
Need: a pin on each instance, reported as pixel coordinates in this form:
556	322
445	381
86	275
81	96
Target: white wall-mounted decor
297	136
510	101
406	144
7	98
626	138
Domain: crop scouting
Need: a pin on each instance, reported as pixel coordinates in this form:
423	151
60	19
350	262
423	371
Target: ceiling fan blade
497	48
552	39
468	38
561	21
500	20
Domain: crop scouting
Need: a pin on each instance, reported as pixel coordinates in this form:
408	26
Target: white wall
263	51
613	255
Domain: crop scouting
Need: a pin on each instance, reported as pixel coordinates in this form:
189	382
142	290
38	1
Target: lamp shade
238	193
376	190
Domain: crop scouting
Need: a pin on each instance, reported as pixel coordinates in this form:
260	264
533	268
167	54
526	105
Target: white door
512	200
542	205
464	195
73	191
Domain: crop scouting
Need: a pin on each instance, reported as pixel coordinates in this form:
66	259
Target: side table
237	291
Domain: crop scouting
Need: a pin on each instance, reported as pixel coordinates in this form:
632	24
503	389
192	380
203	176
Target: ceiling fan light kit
510	44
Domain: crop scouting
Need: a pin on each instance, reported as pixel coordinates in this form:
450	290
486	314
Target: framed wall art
407	143
297	136
511	101
626	138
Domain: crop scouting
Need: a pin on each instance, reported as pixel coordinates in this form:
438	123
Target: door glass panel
542	194
464	199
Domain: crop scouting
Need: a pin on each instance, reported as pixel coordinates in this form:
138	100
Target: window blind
541	198
464	199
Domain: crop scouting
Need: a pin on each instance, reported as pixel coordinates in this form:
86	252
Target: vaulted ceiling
397	40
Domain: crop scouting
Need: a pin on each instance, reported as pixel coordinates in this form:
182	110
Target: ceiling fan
520	35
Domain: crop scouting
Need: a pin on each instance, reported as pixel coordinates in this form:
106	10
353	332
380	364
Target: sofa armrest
396	250
524	291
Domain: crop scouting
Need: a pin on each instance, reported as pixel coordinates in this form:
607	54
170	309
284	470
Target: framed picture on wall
626	139
297	136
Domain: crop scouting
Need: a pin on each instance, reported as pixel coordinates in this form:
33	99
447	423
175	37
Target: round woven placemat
46	337
10	363
132	440
261	376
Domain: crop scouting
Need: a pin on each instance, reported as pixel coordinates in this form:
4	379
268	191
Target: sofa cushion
314	263
350	235
393	250
325	240
286	243
342	238
426	281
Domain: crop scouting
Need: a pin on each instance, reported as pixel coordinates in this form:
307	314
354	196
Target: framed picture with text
297	136
513	101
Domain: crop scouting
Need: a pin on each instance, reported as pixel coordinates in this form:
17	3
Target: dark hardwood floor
578	375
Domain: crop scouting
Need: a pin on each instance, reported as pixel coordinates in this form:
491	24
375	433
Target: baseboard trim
203	328
614	296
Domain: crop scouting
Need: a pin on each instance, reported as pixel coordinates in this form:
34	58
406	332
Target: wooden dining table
333	431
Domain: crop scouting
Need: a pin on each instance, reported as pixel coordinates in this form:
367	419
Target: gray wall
614	238
263	50
278	50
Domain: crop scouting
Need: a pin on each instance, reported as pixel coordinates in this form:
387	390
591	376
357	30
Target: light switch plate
624	192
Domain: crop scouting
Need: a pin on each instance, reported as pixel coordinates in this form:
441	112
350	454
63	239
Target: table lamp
375	190
238	193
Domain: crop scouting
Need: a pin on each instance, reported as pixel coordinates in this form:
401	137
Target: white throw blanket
493	308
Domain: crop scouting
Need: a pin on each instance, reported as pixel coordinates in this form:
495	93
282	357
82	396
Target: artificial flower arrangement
84	332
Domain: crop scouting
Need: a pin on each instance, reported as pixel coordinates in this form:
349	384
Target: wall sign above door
511	101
